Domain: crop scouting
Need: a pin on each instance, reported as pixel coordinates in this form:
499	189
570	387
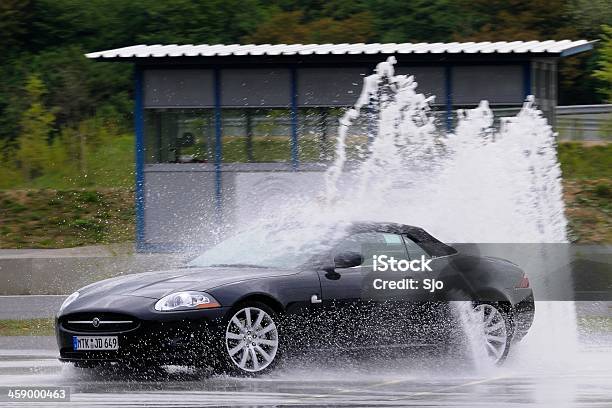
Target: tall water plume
489	181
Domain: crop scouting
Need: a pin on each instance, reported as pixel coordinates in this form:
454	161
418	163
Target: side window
414	250
373	243
394	247
359	243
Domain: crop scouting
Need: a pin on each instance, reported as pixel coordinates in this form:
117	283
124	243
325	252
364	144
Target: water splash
486	182
437	180
478	184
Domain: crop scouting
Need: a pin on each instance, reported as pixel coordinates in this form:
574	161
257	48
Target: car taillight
524	283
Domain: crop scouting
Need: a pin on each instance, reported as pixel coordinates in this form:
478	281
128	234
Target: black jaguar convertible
243	304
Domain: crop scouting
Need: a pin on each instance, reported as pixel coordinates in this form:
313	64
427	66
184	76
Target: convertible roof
390	227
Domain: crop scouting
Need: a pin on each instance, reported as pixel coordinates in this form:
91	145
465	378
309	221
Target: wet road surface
585	380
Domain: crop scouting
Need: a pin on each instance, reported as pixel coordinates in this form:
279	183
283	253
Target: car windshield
275	248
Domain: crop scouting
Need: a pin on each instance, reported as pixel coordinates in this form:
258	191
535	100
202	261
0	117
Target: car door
351	311
425	313
441	282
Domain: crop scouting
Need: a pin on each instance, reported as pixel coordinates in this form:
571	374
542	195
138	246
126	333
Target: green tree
419	20
36	125
49	37
604	73
10	176
15	18
291	27
589	16
354	29
285	27
513	20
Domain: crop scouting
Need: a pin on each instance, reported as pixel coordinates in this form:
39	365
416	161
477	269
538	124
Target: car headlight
186	301
69	300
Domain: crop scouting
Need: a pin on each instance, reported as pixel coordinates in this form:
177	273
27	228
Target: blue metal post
218	147
295	159
140	159
527	79
448	87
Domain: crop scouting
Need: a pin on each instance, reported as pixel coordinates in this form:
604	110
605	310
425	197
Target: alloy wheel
251	339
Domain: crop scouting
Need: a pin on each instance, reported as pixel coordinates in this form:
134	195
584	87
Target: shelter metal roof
560	48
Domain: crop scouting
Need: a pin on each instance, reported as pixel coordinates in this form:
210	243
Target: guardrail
584	122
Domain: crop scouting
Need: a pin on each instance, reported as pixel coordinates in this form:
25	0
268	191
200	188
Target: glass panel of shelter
256	135
318	131
179	136
250	135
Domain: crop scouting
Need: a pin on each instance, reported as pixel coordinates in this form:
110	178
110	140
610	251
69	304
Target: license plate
95	343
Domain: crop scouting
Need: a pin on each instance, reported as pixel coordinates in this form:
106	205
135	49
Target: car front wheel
251	339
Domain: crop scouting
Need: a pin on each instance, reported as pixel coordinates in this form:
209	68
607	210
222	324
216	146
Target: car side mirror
348	259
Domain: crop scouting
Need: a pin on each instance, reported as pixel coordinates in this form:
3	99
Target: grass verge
27	327
65	218
46	327
587	187
588	207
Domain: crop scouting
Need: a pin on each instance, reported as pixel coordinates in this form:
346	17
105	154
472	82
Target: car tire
497	330
250	340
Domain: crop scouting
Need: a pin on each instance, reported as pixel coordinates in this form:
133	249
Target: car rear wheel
251	339
496	331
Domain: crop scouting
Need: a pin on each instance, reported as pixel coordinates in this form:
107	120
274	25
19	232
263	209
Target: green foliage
32	155
420	20
604	73
94	151
290	27
503	20
46	218
92	155
603	190
28	327
585	162
68	127
14	18
588	16
110	164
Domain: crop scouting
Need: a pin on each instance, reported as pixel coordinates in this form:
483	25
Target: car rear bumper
189	338
523	315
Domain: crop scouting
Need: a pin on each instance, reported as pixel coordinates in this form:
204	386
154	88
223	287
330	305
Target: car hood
158	284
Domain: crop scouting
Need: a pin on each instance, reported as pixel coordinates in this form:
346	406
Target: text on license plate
95	343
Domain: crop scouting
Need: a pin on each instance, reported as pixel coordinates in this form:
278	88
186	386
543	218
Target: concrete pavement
10	344
581	381
29	306
62	271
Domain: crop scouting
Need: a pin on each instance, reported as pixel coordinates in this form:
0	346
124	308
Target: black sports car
243	303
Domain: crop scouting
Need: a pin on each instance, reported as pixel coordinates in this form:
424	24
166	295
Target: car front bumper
185	338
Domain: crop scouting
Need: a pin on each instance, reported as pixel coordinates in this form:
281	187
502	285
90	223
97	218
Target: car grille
99	322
